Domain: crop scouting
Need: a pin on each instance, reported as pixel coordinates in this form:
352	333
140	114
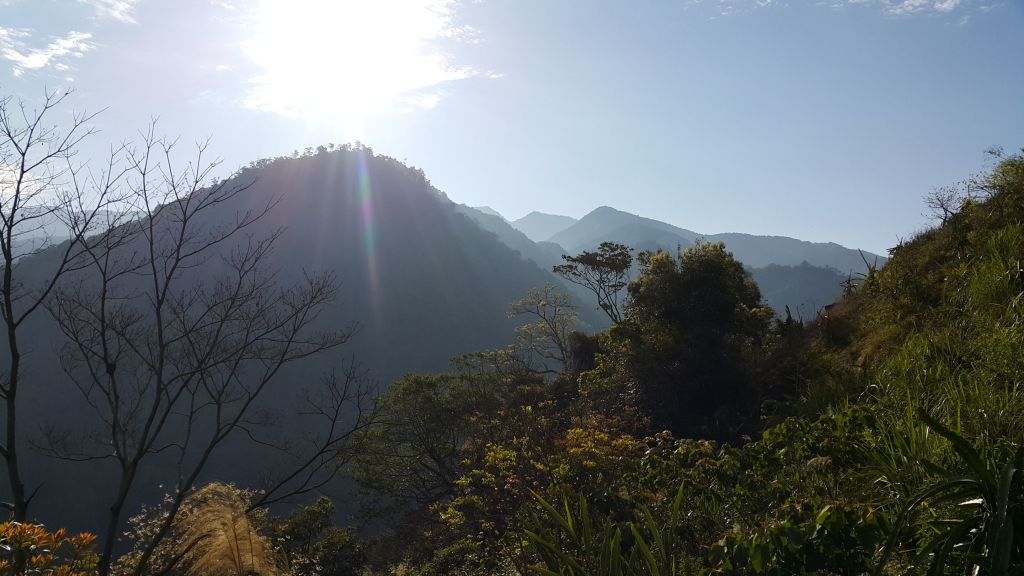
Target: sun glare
345	60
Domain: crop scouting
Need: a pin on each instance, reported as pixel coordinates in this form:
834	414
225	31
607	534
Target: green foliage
845	474
411	454
571	542
309	543
685	352
809	539
605	273
983	533
705	290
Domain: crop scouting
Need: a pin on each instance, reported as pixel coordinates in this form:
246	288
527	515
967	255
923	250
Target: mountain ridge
540	226
606	223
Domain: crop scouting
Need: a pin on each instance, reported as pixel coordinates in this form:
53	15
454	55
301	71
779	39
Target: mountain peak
539	226
605	223
601	210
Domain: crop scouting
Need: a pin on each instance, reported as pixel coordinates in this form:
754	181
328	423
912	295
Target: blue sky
823	120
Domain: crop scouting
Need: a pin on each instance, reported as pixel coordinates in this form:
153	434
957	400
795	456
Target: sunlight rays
369	228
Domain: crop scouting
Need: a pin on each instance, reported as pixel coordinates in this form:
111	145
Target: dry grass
221	538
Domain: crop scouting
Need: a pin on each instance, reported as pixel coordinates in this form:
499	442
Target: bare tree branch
170	361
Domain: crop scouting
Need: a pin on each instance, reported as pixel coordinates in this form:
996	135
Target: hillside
420	280
511	236
696	437
696	390
765	250
805	289
489	211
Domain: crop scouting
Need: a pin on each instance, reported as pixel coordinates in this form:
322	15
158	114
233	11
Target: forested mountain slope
420	281
512	237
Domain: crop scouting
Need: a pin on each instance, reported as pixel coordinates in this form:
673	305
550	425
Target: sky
825	120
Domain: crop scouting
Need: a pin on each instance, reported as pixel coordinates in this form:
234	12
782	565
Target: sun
347	60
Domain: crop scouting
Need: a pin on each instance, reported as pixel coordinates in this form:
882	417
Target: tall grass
219	537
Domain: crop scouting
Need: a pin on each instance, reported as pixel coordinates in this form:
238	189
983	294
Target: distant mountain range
803	276
608	224
46	226
540	227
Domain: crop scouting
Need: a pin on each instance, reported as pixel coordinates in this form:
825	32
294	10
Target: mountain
540	227
489	211
801	275
766	250
805	289
553	250
542	256
608	224
424	278
423	281
419	266
47	227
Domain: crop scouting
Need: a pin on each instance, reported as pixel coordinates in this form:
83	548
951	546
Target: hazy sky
823	120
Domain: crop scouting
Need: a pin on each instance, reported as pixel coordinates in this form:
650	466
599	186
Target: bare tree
338	414
47	203
169	361
943	203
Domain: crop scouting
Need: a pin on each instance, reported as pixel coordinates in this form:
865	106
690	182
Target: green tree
547	334
410	455
310	543
688	347
605	273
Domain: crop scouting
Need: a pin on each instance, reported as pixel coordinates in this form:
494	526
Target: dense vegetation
700	434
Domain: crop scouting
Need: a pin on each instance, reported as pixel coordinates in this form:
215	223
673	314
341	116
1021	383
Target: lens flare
369	228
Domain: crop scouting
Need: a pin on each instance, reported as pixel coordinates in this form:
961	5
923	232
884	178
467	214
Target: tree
309	543
945	202
689	342
605	273
168	360
332	419
553	316
47	201
705	291
410	454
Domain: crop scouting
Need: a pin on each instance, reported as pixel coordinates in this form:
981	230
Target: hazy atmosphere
768	117
511	288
